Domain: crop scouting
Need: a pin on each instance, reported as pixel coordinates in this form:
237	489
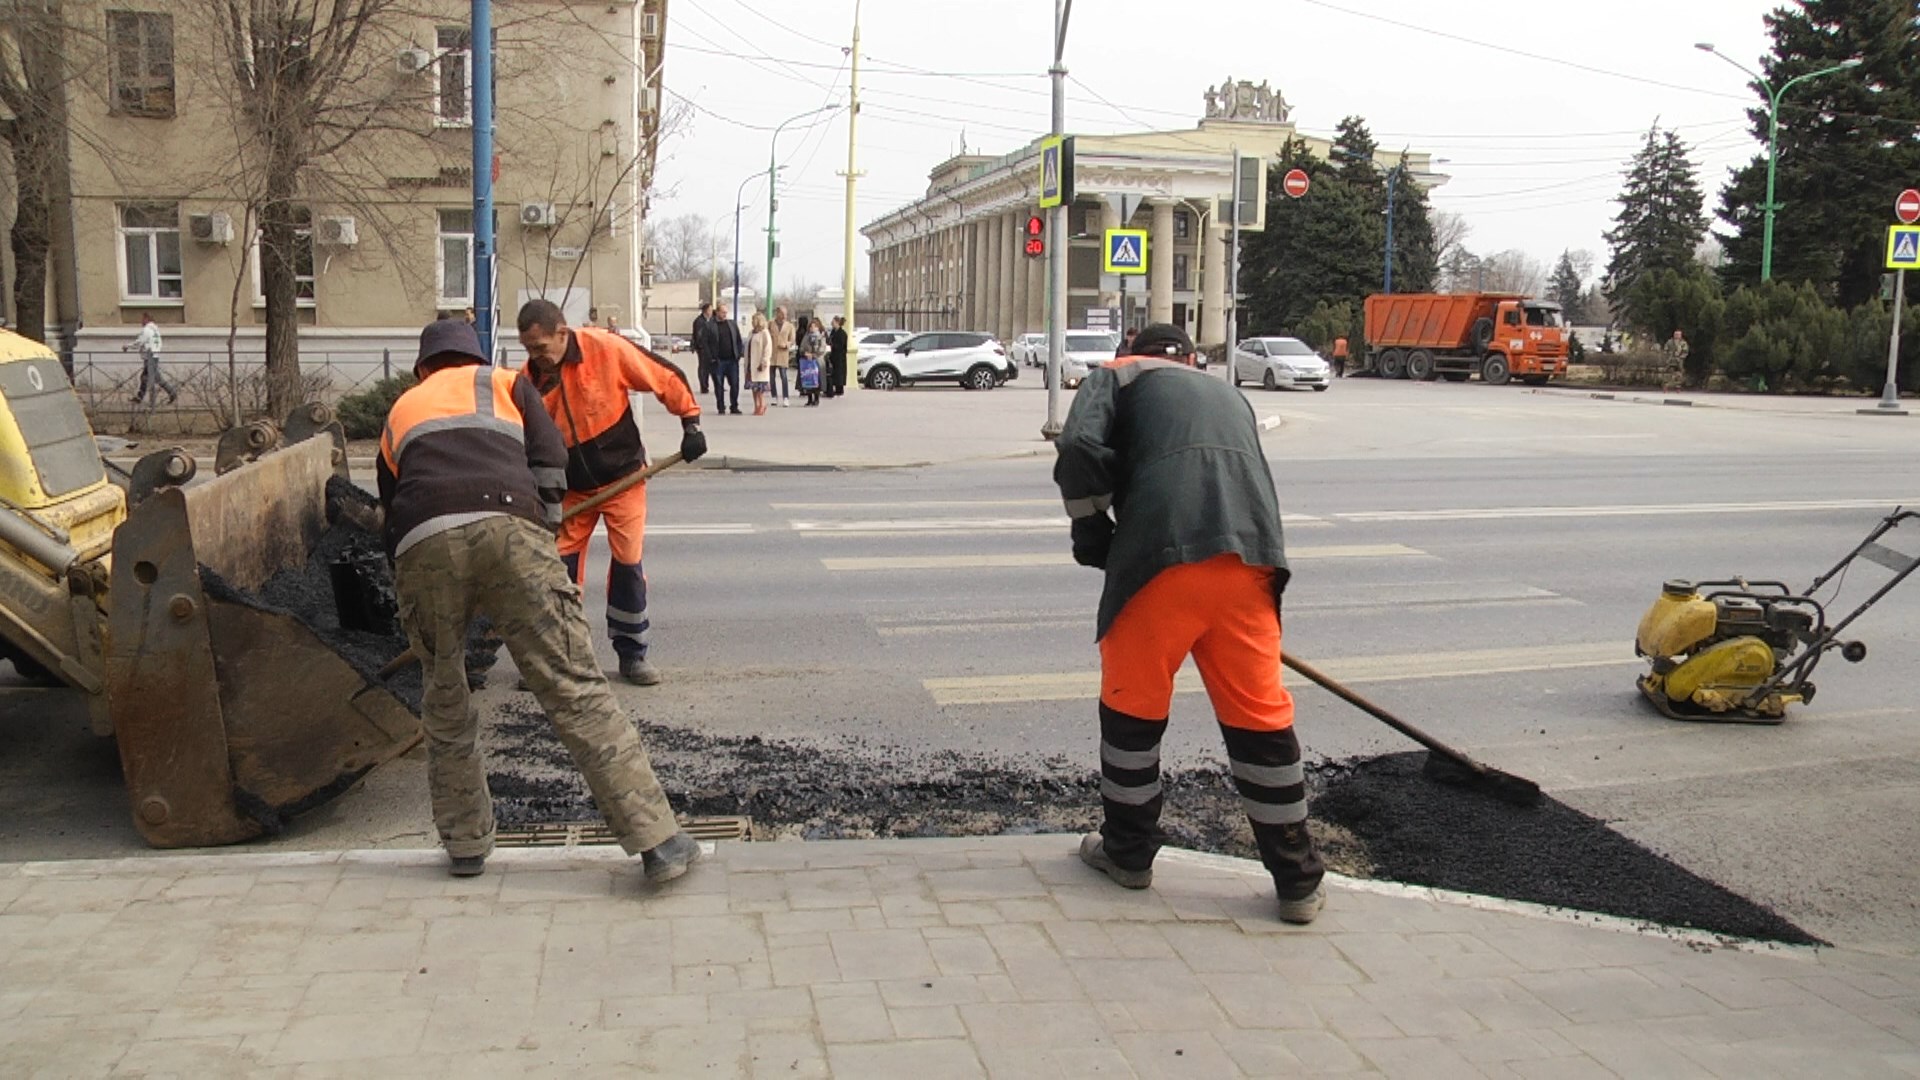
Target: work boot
637	671
1093	852
1304	910
467	865
672	858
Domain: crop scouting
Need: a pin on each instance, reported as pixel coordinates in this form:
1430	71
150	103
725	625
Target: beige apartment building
160	194
956	259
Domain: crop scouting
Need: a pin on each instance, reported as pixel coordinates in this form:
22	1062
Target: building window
1180	272
150	252
140	63
1182	225
453	77
455	271
303	282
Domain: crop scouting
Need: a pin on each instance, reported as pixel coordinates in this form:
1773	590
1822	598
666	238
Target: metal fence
207	388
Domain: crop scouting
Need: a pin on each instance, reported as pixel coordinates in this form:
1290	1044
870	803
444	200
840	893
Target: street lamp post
773	193
1773	140
739	204
1057	239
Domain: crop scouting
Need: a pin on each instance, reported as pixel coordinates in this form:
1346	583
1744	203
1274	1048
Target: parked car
1029	349
1274	362
972	359
879	340
638	335
1086	350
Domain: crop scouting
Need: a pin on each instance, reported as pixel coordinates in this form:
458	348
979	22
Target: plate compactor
1741	651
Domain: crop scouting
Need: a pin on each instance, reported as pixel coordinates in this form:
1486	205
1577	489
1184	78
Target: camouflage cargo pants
507	568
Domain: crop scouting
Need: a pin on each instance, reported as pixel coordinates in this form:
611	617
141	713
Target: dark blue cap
454	336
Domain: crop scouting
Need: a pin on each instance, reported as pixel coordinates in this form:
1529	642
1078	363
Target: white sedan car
1274	362
1029	350
1086	350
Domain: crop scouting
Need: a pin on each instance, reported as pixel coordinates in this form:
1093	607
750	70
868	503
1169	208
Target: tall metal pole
1233	267
773	196
480	50
1057	239
1890	396
1393	178
847	277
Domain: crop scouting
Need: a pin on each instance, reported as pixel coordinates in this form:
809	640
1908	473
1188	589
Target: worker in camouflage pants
471	472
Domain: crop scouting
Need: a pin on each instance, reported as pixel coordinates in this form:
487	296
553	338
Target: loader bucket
230	716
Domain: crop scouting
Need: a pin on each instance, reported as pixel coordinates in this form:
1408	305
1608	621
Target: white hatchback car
1029	349
970	358
1274	362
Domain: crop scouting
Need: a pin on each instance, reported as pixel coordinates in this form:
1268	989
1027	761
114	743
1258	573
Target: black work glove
1092	536
1281	575
693	442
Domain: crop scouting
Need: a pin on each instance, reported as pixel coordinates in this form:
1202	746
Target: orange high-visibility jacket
588	401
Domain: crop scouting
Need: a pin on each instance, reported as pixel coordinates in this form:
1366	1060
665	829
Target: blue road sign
1903	247
1124	251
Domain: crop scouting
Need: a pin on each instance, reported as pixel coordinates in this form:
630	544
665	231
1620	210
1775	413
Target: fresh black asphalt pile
344	594
1375	817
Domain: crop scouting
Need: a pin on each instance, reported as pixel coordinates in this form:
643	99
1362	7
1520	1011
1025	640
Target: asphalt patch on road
1376	817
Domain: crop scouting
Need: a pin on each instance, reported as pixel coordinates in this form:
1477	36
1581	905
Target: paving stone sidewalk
999	957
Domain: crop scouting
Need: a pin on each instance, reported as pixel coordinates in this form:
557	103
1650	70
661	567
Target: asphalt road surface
1475	558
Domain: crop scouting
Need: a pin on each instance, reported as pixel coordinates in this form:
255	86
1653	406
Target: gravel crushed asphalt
1377	817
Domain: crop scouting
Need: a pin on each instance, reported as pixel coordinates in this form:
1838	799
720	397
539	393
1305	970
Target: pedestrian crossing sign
1056	171
1124	252
1903	247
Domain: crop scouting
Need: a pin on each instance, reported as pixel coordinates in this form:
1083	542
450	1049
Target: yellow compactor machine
1742	651
229	716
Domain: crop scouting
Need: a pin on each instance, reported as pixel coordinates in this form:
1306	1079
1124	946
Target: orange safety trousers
1223	613
626	518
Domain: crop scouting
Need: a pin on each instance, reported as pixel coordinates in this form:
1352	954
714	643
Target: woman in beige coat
759	361
784	331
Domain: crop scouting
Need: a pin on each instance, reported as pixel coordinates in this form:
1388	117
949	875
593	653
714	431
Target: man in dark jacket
471	472
837	357
1195	566
699	336
724	349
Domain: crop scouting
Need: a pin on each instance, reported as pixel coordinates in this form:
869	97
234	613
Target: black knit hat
1164	340
454	336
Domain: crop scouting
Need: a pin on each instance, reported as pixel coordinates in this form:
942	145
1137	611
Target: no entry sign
1907	206
1295	183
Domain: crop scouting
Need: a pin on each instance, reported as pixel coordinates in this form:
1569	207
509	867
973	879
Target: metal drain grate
586	833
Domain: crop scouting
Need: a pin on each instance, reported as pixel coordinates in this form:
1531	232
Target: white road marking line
731	528
886	526
924	504
979	562
1084	685
1493	513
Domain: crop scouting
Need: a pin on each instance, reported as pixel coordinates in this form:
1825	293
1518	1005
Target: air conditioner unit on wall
214	228
413	61
336	232
650	24
537	215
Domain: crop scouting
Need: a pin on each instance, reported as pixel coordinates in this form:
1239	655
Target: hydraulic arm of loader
229	717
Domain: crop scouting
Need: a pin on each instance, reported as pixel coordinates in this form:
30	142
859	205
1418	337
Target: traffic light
1036	236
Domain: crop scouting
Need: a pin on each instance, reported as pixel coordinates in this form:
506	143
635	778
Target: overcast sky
1536	105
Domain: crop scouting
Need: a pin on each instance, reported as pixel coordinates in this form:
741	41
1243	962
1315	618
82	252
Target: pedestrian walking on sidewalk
812	362
471	474
587	377
759	362
1195	565
724	349
837	357
151	380
699	340
782	358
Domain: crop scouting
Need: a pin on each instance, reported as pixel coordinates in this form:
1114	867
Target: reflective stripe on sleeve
1089	506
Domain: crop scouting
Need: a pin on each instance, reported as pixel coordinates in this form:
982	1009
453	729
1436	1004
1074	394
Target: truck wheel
1393	364
1420	365
1495	371
1481	335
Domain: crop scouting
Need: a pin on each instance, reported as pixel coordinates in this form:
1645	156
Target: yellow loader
229	716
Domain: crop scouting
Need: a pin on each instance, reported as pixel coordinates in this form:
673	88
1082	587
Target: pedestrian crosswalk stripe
1061	558
1085	685
916	504
729	528
1624	510
879	526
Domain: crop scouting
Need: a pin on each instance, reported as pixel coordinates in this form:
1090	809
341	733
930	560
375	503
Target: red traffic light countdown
1036	236
1295	182
1907	207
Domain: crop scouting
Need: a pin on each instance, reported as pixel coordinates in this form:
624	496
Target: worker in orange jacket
584	376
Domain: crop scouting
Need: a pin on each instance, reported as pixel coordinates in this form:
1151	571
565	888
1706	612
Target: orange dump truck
1450	336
